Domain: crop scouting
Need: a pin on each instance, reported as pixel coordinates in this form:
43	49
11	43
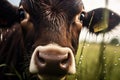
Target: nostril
65	62
41	60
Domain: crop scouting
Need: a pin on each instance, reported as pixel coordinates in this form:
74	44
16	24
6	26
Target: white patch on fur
72	67
33	68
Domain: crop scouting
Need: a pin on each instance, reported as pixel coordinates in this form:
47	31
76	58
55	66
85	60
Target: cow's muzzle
52	60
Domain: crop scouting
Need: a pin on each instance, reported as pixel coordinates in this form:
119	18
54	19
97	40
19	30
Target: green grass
90	66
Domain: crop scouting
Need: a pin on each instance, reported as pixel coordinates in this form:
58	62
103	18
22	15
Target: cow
39	39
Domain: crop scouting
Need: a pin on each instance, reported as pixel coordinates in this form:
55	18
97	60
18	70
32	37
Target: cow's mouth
52	73
46	77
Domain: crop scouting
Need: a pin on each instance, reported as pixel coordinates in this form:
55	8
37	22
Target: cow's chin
45	77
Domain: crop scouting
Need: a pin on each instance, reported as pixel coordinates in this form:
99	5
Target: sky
114	5
91	4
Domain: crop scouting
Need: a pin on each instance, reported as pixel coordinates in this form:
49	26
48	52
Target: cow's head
51	31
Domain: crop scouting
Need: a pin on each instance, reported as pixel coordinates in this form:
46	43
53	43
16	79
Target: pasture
93	66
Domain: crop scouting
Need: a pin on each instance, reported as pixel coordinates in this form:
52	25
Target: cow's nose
52	60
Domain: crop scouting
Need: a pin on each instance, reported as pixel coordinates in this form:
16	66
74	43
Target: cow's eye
21	14
82	16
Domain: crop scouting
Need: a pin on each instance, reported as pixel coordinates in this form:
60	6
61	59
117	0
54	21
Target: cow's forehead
38	5
54	12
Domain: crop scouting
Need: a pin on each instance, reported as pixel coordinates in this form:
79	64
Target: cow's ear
8	14
101	20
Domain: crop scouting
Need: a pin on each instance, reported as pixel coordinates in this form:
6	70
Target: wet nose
51	60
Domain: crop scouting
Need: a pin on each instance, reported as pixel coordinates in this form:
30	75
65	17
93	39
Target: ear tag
101	26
